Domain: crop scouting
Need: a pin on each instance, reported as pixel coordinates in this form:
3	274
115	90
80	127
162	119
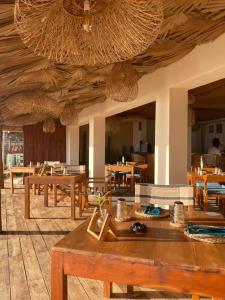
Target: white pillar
162	140
178	135
72	145
189	147
97	147
171	137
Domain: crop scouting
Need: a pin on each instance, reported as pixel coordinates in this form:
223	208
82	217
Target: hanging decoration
122	84
49	125
88	32
69	115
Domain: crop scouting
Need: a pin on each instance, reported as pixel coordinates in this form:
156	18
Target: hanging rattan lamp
69	115
88	32
122	84
49	125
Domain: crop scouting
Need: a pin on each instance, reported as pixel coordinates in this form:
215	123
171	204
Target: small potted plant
100	199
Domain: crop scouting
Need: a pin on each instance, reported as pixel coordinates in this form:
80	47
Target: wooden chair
138	158
73	169
65	190
197	182
209	160
216	192
43	171
93	186
116	180
141	174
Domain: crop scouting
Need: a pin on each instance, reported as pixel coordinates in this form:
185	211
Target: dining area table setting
127	173
132	249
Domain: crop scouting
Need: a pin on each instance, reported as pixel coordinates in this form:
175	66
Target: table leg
34	187
130	289
0	213
58	278
55	194
11	180
195	297
72	195
79	197
27	198
206	203
132	181
46	195
107	289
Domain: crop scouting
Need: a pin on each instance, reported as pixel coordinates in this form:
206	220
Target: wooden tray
140	214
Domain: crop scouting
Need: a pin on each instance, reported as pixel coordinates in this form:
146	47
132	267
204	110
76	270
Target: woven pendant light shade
49	125
122	84
69	115
120	29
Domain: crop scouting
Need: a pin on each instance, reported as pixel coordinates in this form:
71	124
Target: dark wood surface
40	146
168	260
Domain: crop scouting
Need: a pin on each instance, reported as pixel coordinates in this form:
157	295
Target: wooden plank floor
25	248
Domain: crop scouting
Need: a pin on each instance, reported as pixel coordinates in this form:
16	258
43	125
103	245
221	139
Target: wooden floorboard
25	251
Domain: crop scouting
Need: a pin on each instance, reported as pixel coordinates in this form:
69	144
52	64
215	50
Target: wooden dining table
168	260
21	170
73	182
123	168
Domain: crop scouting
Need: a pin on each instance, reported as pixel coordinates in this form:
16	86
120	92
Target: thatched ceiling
33	88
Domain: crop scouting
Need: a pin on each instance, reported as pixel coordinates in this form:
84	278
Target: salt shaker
179	216
121	210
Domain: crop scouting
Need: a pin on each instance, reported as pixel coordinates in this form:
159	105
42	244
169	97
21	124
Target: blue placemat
207	230
153	211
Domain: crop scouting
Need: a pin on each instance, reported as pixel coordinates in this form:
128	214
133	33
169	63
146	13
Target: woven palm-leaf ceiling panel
33	89
117	29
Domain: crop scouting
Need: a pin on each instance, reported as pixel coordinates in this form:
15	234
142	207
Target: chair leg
107	289
206	204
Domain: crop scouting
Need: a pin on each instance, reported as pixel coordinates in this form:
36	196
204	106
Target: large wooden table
21	170
167	261
74	182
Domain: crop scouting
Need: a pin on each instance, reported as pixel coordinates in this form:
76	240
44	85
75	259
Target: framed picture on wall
219	128
211	129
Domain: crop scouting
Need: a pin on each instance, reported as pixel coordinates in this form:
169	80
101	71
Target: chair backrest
99	184
163	194
51	163
138	158
209	160
142	167
74	169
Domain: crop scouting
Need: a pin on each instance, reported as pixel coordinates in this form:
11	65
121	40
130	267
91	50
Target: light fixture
87	24
118	30
122	83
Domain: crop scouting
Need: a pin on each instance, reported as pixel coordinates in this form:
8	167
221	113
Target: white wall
193	70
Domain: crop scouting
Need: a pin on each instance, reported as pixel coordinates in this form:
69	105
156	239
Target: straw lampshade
122	84
88	32
69	115
49	125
